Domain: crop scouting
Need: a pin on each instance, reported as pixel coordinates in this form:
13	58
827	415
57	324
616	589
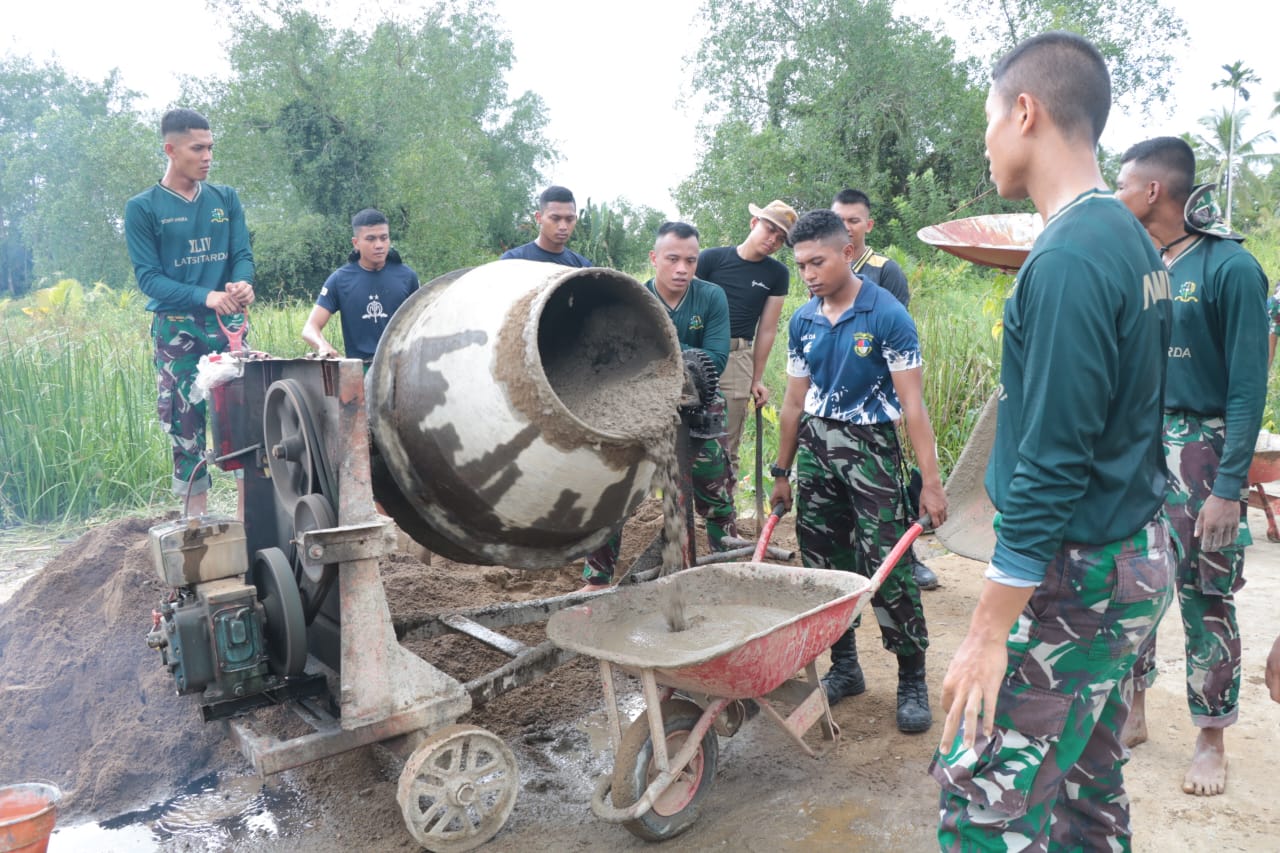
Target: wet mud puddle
212	813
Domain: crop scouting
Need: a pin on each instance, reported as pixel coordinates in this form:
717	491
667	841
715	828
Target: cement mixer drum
514	406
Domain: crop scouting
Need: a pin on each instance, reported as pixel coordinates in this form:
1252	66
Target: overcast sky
610	72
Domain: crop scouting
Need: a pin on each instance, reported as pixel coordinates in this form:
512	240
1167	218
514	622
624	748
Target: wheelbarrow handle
900	547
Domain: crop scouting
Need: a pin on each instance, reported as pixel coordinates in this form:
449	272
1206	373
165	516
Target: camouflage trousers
1206	580
180	340
712	477
851	511
1050	776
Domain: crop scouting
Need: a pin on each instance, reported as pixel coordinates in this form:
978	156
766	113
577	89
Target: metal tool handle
235	339
759	466
762	546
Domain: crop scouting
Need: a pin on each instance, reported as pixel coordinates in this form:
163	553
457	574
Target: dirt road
871	793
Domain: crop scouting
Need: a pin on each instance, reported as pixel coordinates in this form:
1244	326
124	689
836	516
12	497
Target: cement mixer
507	419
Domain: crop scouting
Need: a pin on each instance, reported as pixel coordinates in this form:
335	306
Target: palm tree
1237	76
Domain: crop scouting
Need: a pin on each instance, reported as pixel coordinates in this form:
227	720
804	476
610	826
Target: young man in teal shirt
700	313
1215	391
190	251
1030	757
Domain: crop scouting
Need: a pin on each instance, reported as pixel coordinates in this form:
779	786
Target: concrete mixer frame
286	414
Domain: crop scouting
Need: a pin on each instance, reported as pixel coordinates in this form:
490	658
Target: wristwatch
776	470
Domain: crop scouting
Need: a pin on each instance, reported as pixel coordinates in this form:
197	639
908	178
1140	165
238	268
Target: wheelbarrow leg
829	729
1273	535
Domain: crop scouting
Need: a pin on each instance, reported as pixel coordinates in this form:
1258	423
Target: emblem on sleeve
862	343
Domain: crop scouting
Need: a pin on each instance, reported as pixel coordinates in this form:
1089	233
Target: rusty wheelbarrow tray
764	624
1265	468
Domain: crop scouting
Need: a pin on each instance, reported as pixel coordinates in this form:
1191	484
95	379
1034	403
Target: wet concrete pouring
84	704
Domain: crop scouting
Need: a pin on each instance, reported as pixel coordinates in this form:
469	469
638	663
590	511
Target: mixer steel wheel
285	633
293	452
458	788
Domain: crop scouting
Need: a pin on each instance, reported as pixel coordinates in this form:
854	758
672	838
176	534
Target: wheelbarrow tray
808	611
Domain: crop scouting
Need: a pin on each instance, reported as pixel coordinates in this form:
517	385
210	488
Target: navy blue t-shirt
366	300
533	252
848	363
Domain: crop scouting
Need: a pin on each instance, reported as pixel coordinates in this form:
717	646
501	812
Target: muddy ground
84	703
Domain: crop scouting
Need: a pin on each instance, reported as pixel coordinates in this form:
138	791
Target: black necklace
1172	243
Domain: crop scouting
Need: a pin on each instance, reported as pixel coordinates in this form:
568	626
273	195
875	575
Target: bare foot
1207	775
1135	727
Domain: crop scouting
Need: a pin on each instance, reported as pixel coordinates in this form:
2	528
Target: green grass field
79	437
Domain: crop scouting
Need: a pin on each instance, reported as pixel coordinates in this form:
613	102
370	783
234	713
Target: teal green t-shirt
701	319
1218	350
183	249
1077	455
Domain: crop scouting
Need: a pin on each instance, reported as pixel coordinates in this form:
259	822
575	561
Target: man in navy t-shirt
366	291
557	216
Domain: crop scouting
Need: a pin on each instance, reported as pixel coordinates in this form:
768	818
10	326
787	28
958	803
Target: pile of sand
84	703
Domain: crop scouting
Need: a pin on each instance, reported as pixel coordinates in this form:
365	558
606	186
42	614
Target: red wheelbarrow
752	627
1265	468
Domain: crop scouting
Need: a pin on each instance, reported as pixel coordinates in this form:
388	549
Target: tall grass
79	434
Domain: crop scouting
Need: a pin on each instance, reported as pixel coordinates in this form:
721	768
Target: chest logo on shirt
695	323
219	215
862	342
374	311
755	283
1187	293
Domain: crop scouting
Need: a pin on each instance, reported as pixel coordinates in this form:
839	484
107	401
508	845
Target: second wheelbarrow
751	628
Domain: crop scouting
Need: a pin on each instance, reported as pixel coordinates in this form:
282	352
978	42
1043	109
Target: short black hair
683	230
1067	74
852	196
818	225
182	121
1173	156
368	216
555	193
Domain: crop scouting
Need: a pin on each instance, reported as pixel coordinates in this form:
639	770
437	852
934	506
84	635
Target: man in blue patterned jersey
853	369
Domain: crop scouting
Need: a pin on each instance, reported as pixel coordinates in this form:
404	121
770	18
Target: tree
1230	160
807	106
1141	66
1237	76
411	117
71	153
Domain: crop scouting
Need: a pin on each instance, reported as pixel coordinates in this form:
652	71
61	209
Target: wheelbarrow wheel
677	808
457	789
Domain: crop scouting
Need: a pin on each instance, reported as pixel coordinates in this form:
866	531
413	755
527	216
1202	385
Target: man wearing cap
755	285
1215	390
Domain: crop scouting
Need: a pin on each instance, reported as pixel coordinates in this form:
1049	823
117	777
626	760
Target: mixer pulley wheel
458	788
286	626
294	454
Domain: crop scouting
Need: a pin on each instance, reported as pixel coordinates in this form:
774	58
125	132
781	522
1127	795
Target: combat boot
925	578
913	695
845	676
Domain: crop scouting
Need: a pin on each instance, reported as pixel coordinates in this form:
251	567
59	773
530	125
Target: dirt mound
84	703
